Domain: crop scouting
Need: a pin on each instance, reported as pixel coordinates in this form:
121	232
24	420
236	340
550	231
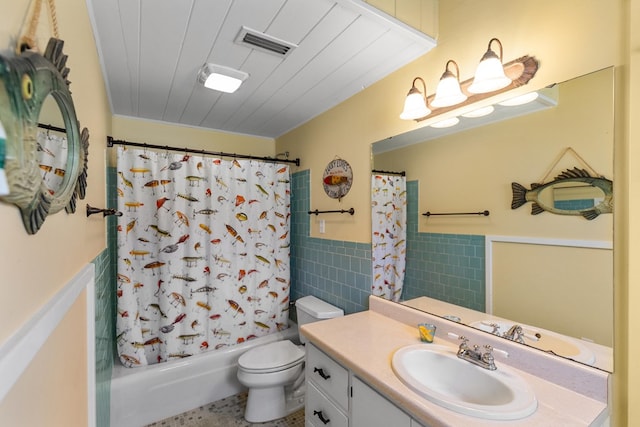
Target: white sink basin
548	341
437	374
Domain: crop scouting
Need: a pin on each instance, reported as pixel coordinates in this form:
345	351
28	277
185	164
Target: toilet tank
310	309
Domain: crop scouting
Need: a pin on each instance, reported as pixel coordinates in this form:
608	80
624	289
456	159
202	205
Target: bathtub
140	396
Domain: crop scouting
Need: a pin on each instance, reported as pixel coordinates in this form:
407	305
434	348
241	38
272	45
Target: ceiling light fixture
492	78
490	74
221	78
448	92
415	105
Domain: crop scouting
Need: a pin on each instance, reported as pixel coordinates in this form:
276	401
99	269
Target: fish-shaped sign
543	200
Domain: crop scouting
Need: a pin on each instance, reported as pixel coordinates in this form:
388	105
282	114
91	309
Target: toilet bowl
266	371
274	372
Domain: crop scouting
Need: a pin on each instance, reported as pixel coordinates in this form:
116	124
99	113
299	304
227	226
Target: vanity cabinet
336	397
327	396
370	409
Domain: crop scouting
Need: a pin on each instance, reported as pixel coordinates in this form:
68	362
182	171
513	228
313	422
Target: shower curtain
389	234
203	253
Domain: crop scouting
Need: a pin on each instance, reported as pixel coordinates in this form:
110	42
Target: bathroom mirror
471	262
43	179
52	147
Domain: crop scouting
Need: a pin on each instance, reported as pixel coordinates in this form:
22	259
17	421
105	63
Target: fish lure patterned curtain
389	235
203	253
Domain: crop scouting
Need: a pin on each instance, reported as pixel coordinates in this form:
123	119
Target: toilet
274	372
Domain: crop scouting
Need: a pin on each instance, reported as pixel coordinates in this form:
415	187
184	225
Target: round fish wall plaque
337	178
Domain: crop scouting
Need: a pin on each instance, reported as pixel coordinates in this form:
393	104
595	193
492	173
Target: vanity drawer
320	412
327	375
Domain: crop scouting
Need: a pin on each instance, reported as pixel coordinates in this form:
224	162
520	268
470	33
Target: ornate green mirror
42	178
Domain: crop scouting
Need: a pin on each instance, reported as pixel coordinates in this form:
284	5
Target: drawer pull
322	418
321	373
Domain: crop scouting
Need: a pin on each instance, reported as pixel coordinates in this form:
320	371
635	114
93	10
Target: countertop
365	342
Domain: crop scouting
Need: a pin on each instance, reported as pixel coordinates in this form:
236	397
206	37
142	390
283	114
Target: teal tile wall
104	324
335	271
105	309
570	205
449	267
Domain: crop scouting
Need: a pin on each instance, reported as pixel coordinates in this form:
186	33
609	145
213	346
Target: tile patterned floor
227	412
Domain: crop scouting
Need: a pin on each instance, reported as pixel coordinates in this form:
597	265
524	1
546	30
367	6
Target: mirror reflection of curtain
389	234
52	156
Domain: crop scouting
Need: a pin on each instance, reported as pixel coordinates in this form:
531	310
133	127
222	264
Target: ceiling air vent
264	42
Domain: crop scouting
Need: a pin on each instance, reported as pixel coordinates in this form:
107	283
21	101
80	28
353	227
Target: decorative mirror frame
25	82
575	176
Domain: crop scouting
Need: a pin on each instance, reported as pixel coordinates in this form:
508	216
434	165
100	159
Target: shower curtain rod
51	127
401	173
483	213
111	142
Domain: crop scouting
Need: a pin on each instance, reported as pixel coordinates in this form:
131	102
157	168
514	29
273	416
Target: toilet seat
272	357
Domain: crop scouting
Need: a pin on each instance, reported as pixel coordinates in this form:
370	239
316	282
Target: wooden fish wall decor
590	196
25	82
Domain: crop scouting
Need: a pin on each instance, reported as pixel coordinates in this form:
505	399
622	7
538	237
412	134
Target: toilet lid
271	357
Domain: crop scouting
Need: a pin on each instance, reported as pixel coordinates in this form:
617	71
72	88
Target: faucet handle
488	358
463	344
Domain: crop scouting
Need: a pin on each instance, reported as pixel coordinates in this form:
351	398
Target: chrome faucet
515	333
483	359
495	328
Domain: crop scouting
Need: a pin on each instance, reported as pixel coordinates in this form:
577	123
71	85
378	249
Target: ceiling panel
162	31
204	25
152	50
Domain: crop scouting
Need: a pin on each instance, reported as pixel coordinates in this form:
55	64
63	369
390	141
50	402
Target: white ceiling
151	51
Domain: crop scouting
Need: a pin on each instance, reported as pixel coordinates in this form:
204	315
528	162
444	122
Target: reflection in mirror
446	258
52	148
575	197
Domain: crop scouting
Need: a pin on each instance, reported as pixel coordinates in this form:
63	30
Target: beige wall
559	288
53	389
570	38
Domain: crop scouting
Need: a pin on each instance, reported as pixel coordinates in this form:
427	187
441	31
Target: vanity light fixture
490	74
479	112
446	123
520	100
492	78
221	78
448	92
415	105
